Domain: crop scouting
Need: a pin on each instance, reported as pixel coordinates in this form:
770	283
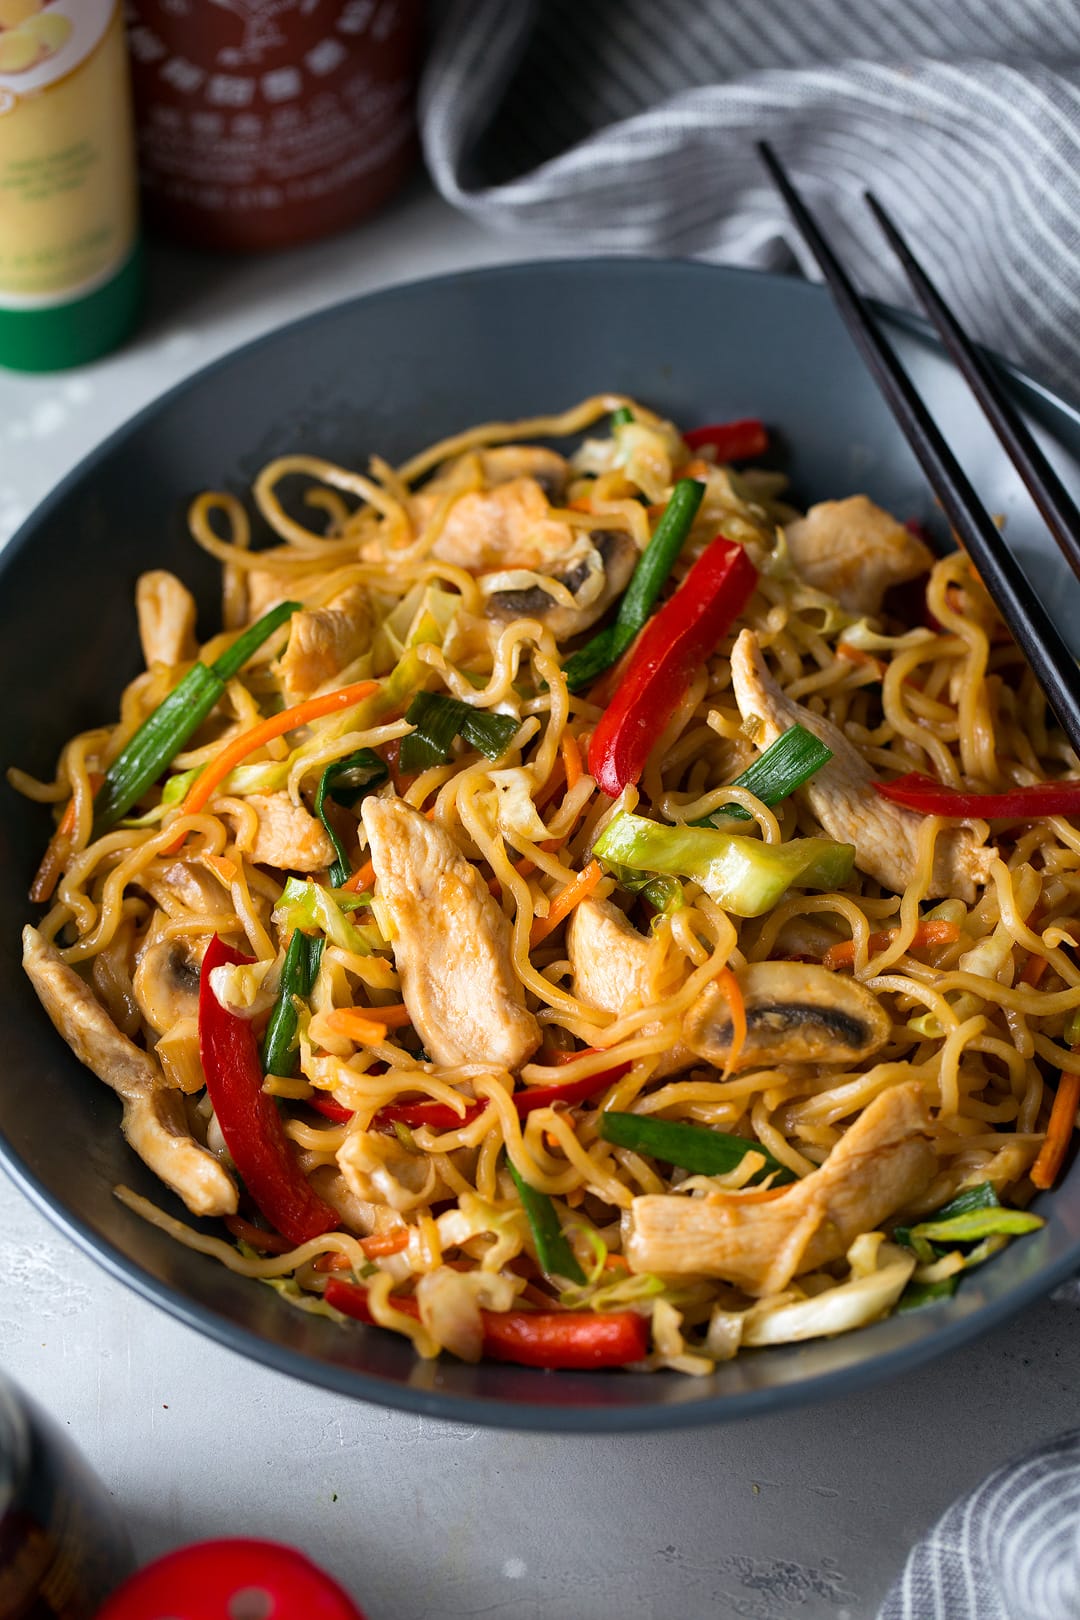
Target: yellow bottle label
67	165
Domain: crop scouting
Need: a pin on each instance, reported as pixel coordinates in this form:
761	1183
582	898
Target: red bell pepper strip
566	1339
732	441
670	648
438	1116
918	792
571	1091
249	1119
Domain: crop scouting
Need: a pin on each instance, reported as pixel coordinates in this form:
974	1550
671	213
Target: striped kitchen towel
1009	1551
629	126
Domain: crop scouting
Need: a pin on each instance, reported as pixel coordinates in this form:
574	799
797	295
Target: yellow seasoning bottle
70	263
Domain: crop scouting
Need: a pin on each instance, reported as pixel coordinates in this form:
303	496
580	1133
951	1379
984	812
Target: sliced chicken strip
510	526
452	944
288	837
854	551
615	969
885	836
166	614
322	641
154	1122
759	1240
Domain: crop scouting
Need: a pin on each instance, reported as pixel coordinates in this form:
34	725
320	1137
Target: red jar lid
231	1580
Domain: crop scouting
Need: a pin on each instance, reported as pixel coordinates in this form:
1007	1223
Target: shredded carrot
697	468
580	503
222	868
361	879
551	786
213	774
1033	970
571	758
564	902
374	1247
616	1262
934	932
858	655
58	850
729	987
356	1026
256	1237
1044	1171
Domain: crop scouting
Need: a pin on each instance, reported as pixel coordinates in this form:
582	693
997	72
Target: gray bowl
390	373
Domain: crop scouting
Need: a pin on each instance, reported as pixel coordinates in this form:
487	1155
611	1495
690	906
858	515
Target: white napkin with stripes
629	126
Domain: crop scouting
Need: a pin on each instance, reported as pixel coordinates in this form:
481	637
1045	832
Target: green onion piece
235	657
620	417
552	1249
980	1223
654	566
162	734
916	1294
741	874
346	781
1072	1029
697	1148
158	740
438	720
784	766
980	1197
298	974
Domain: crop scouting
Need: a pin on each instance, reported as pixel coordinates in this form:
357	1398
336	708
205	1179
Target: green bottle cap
60	335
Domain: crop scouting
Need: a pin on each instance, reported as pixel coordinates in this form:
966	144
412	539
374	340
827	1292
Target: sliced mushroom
166	981
154	1122
795	1013
618	555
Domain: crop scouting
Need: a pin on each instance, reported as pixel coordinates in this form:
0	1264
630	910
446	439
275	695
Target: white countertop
805	1516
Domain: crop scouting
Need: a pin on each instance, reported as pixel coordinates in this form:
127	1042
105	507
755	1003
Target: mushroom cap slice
795	1013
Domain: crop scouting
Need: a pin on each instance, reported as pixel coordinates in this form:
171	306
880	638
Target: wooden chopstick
1035	633
1047	491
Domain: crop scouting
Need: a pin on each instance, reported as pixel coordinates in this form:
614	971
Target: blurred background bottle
63	1548
70	268
267	122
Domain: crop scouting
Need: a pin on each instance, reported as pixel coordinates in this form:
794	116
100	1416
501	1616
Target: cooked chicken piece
153	1121
166	982
885	835
615	968
288	837
265	590
185	886
795	1013
322	641
760	1238
451	942
854	551
166	614
509	526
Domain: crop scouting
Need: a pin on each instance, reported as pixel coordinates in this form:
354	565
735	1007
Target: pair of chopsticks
1054	666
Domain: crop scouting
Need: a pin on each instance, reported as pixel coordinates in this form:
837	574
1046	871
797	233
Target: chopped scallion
439	719
552	1248
697	1148
653	567
784	766
298	974
346	781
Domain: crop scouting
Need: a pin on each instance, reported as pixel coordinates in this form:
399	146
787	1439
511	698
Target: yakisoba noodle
858	1052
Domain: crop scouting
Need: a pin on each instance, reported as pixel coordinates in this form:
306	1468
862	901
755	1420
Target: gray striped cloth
629	126
1009	1551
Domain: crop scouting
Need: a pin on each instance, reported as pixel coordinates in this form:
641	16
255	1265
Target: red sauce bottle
63	1548
262	123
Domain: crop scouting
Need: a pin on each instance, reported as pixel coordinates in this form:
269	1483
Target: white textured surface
801	1517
